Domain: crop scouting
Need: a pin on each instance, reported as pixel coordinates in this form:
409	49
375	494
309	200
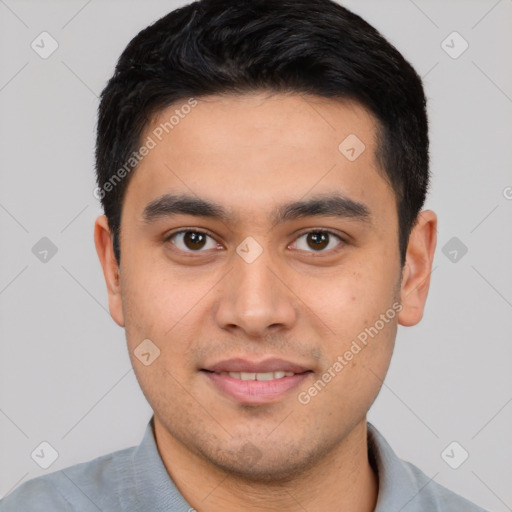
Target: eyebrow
331	205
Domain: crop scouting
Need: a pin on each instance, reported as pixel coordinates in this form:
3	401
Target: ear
417	268
105	250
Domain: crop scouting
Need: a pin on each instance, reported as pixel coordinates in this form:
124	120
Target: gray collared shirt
135	479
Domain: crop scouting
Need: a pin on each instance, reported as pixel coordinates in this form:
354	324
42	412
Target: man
262	167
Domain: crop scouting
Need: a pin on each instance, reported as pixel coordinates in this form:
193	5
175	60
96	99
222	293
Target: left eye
317	241
192	241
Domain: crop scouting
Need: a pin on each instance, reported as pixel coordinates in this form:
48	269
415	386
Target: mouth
258	375
254	383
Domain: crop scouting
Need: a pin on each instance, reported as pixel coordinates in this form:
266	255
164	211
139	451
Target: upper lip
244	365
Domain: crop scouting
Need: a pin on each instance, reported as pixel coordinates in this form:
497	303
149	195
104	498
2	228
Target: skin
250	154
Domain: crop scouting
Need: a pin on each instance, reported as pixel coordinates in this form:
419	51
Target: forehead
248	150
255	119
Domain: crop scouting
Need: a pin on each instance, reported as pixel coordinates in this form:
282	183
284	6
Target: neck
342	480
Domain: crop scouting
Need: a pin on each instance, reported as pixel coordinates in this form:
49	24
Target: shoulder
36	495
434	496
84	487
403	486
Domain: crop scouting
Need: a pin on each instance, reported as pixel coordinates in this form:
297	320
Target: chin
266	465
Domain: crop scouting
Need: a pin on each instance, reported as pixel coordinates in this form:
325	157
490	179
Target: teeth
258	376
265	376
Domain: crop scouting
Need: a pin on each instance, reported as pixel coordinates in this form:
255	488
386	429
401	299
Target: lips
243	365
250	382
258	375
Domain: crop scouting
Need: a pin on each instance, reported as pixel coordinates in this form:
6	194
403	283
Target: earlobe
417	268
105	251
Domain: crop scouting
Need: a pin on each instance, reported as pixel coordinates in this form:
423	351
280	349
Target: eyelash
317	230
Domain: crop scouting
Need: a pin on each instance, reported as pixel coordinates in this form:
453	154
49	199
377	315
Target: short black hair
223	47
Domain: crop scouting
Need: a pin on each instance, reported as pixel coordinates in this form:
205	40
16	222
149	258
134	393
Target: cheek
353	299
360	308
353	375
166	307
159	310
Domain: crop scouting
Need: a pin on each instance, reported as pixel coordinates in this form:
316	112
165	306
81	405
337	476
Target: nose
255	299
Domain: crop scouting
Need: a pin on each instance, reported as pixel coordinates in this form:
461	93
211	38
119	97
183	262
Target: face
256	253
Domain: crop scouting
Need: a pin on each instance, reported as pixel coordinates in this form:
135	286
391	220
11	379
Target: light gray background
65	376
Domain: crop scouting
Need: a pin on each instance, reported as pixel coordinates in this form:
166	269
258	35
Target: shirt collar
400	483
147	485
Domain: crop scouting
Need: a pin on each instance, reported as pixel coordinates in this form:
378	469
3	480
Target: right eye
192	240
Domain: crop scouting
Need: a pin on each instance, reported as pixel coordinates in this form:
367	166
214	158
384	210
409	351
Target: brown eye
192	241
317	241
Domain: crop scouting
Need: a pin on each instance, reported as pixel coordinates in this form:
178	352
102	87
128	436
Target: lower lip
256	391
